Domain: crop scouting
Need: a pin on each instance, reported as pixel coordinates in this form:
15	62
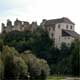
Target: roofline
59	19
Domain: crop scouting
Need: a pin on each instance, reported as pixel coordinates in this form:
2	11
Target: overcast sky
36	10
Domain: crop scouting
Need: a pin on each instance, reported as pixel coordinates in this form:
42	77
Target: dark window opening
49	28
59	26
71	27
67	27
52	35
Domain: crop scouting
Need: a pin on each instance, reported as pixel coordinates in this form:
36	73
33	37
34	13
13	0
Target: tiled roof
70	33
60	20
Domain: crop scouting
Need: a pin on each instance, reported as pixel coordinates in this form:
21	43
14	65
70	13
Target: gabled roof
70	33
60	20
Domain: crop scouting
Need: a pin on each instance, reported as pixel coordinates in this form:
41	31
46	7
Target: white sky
36	10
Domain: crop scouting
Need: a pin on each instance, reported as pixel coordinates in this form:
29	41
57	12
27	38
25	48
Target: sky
36	10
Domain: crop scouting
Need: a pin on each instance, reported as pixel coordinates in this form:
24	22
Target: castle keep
60	30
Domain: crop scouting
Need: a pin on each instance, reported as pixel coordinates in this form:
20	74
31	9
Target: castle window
71	27
59	26
49	28
67	27
52	35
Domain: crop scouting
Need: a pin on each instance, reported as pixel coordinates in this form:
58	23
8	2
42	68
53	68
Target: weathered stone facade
19	26
55	29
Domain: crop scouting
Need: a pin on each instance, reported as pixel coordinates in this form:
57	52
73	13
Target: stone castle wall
19	26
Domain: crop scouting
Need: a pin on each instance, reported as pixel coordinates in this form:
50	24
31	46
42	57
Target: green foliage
38	68
15	66
61	61
18	40
45	70
1	44
20	68
75	59
66	60
1	69
8	52
39	42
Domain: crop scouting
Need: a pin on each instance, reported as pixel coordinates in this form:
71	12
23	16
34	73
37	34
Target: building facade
60	30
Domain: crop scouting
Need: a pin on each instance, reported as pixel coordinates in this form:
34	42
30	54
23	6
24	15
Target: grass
55	78
61	78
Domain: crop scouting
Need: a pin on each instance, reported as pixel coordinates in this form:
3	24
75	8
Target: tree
37	68
8	51
14	66
20	69
41	43
1	70
64	51
75	58
45	70
1	44
18	40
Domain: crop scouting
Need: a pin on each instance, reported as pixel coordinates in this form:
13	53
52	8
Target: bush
17	66
14	66
38	68
1	70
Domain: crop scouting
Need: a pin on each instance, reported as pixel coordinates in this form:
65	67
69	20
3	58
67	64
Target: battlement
18	26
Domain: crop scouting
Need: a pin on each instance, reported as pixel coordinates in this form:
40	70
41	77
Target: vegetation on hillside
15	66
26	53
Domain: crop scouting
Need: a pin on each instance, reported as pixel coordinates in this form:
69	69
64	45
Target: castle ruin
19	26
